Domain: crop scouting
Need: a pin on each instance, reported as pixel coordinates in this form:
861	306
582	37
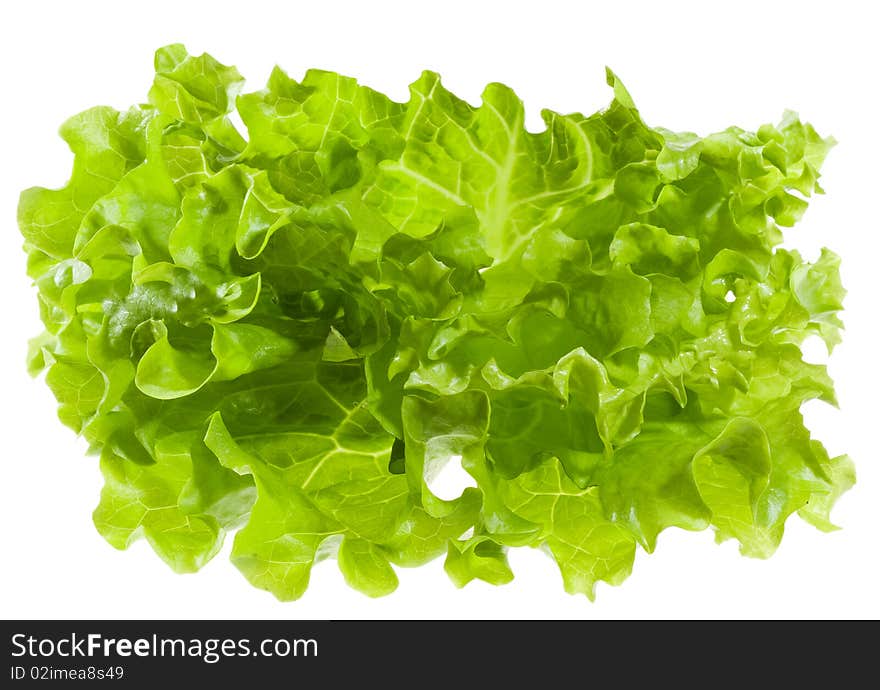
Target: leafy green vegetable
289	334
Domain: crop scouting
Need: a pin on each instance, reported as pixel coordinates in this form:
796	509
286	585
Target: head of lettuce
286	333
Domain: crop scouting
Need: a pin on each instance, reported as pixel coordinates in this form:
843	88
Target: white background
689	66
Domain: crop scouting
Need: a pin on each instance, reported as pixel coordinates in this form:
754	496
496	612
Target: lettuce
288	335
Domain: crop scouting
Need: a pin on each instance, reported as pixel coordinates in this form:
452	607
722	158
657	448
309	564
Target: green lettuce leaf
287	333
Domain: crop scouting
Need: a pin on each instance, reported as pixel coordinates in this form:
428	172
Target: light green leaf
477	558
585	544
142	500
365	568
193	89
